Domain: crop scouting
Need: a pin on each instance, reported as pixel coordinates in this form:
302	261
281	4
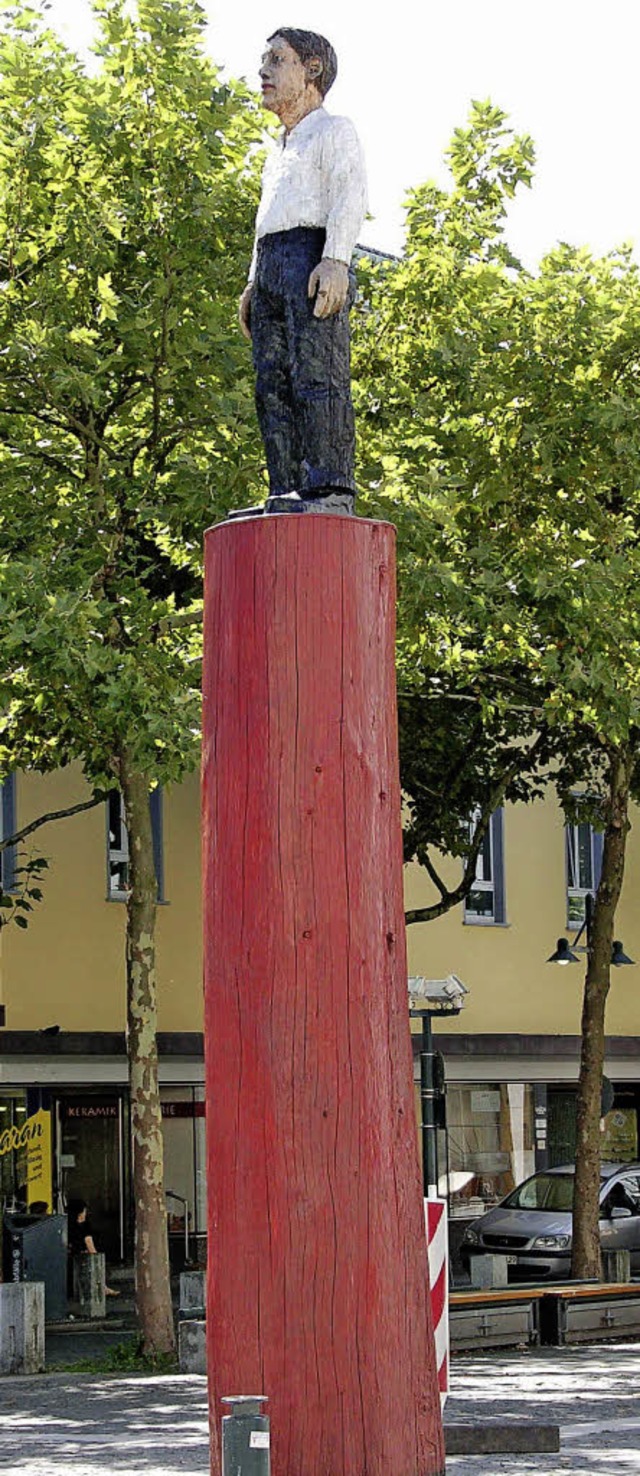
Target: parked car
532	1226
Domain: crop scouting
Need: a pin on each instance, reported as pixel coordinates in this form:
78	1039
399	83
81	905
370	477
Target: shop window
118	845
486	900
490	1131
7	827
583	847
13	1161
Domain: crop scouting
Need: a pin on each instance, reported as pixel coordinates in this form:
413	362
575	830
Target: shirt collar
306	125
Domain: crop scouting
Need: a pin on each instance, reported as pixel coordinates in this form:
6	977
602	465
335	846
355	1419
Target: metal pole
427	1096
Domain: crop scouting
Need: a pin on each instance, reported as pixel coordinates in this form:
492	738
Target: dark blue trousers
302	367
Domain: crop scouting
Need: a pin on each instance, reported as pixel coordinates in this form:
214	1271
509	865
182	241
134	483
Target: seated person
81	1240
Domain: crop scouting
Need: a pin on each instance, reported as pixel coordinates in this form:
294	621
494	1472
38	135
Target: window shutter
499	889
9	823
155	806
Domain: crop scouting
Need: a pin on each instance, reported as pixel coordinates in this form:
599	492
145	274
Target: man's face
283	76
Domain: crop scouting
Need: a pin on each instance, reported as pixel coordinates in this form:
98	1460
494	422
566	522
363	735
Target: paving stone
85	1425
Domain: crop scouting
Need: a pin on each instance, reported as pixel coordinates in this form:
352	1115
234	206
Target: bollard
192	1349
245	1437
192	1294
616	1265
487	1271
22	1327
89	1284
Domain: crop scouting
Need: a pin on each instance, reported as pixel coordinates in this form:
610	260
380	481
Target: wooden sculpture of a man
295	307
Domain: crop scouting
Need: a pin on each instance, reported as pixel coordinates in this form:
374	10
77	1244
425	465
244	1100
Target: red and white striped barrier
435	1211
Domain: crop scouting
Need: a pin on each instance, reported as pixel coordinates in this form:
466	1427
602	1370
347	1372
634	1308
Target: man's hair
308	44
75	1207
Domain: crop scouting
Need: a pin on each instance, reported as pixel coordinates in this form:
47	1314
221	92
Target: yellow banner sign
34	1135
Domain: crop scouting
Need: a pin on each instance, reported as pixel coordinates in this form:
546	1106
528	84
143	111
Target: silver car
532	1226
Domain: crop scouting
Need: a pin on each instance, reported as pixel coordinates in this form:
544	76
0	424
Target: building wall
512	989
511	1056
67	967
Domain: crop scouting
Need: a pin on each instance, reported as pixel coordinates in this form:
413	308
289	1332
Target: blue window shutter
598	843
155	806
499	890
8	857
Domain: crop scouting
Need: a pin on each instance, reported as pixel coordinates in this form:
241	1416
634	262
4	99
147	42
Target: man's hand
244	311
329	284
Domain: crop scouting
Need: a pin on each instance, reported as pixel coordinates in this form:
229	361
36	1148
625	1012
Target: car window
543	1192
624	1194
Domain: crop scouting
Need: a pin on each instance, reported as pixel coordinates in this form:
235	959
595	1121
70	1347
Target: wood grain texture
317	1285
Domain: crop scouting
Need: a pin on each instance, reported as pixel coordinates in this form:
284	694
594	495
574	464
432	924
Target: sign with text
34	1137
39	1168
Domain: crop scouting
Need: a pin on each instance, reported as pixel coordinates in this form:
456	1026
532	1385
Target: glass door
90	1163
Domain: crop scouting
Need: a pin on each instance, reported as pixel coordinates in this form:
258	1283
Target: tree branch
20	835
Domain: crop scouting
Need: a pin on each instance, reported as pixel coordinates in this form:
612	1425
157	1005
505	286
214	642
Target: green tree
126	424
499	416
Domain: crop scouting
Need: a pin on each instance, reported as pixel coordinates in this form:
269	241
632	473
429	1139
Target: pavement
63	1424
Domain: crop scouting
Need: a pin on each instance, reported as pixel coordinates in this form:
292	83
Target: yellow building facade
510	1056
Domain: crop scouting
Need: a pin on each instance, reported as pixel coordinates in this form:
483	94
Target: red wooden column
317	1284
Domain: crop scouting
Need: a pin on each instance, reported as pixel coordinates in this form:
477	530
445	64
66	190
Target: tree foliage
499	426
125	404
126	424
499	412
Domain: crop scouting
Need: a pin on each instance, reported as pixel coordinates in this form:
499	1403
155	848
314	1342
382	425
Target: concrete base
501	1439
89	1285
192	1293
488	1271
21	1327
192	1347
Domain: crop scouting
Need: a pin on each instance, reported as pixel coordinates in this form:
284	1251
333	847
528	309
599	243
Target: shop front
511	1111
65	1134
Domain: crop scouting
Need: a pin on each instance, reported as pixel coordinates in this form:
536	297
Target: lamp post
429	998
563	953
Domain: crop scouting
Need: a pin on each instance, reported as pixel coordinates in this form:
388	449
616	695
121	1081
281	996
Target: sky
566	72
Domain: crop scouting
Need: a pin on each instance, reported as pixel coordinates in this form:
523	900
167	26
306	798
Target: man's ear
314	70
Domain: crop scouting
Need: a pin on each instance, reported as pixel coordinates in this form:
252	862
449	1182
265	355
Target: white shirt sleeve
346	189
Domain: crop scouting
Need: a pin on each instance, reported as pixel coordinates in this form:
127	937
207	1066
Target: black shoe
285	502
336	501
244	512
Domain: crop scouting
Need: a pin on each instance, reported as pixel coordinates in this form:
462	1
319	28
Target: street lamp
564	950
429	997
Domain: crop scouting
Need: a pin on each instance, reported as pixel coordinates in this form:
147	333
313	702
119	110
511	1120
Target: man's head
311	49
297	71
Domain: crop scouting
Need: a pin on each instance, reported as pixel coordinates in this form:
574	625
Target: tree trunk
585	1260
153	1289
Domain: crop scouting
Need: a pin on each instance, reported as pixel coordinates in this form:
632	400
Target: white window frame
577	888
495	886
116	855
119	855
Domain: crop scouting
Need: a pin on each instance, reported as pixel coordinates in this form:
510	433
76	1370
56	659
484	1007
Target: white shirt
315	176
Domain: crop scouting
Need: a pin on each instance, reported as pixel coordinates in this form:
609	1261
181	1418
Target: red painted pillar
317	1283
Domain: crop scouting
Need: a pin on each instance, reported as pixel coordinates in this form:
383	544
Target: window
486	900
624	1194
584	863
7	827
183	1132
118	846
491	1143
